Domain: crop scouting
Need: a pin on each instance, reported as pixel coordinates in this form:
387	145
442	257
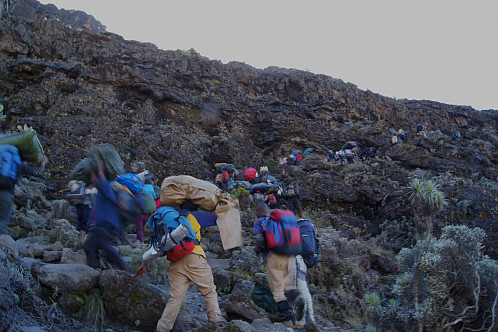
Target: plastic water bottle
174	237
168	241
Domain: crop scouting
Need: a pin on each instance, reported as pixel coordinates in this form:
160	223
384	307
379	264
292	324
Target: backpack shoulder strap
267	220
118	186
192	236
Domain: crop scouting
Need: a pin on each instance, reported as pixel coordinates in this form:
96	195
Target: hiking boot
299	308
284	314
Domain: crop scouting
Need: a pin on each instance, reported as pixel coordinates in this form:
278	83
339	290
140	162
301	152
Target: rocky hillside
177	112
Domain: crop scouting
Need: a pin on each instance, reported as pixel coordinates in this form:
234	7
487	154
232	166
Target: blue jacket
205	219
107	212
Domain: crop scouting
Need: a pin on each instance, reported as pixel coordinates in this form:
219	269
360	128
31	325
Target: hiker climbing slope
82	197
189	265
109	226
293	198
280	268
141	220
11	168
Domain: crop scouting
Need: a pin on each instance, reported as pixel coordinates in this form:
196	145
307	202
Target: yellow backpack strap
195	225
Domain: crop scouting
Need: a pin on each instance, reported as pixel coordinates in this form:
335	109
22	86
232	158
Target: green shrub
271	163
457	283
397	234
343	276
373	307
244	197
18	284
93	312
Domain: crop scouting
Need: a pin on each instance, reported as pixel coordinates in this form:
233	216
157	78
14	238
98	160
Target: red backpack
282	233
272	199
225	176
250	174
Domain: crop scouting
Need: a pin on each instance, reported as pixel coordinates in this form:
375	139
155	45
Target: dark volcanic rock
68	277
129	300
177	112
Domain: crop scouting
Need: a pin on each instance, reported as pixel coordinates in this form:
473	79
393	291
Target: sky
440	50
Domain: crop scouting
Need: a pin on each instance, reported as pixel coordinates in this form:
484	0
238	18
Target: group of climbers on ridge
105	204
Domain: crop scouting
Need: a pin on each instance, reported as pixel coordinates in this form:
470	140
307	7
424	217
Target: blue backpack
132	182
137	203
310	244
9	164
164	221
282	233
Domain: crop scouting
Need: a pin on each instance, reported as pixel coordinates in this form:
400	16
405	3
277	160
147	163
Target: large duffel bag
264	188
242	184
259	187
27	142
105	153
207	196
222	167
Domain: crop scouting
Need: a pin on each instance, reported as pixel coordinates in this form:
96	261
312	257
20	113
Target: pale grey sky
441	50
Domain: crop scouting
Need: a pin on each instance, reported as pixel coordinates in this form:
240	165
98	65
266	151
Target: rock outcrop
177	112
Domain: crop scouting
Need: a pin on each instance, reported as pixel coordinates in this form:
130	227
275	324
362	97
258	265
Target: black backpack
309	242
76	194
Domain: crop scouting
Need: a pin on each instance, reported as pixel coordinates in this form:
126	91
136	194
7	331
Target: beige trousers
193	268
281	271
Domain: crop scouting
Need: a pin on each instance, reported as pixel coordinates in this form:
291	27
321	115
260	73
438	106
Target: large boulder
23	247
32	246
70	278
131	301
51	256
61	230
246	260
410	155
71	257
240	303
61	209
8	245
26	9
223	281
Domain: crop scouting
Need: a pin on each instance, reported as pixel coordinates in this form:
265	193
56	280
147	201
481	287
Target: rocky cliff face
177	112
33	10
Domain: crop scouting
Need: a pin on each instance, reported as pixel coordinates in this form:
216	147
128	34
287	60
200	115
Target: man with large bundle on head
188	259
